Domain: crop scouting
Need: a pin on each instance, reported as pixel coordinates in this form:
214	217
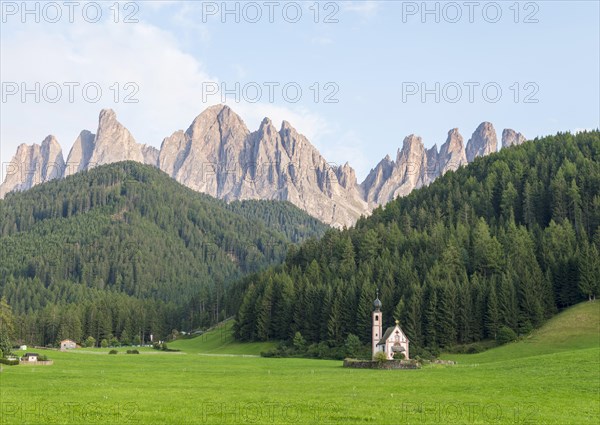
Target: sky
355	77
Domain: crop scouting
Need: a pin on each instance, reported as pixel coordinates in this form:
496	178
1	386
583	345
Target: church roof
388	333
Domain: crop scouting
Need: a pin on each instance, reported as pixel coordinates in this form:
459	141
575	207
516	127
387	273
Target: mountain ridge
218	155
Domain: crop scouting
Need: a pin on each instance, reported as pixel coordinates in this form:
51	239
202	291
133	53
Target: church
392	341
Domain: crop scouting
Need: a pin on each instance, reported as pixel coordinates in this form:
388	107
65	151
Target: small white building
30	357
23	348
394	339
67	344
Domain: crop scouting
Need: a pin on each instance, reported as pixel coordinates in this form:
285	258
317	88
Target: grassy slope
573	329
556	382
220	341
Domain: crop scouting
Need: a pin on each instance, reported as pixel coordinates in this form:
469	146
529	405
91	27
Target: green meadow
550	377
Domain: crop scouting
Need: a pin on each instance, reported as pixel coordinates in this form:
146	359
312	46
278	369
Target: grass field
220	341
552	377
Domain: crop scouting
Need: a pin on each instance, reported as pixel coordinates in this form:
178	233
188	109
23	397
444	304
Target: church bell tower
377	321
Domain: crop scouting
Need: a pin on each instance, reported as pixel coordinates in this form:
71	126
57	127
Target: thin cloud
365	8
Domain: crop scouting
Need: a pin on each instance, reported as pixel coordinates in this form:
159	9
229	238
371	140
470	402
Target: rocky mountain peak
219	156
452	153
81	152
482	142
32	165
113	142
454	140
346	176
107	116
511	138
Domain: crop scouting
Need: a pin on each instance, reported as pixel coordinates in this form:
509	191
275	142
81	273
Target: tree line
123	251
503	243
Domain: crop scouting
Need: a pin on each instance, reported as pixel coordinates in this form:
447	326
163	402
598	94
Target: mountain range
218	155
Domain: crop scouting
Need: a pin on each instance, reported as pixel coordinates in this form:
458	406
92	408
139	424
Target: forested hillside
123	251
506	241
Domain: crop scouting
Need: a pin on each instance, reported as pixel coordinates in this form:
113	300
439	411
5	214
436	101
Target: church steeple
377	302
377	323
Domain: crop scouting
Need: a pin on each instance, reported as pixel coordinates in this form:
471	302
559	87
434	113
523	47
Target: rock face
33	164
219	156
511	138
452	153
414	167
391	179
81	152
113	142
483	141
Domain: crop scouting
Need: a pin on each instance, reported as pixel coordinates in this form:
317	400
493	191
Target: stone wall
389	364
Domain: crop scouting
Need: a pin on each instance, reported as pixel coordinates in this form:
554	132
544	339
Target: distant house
30	357
67	344
23	348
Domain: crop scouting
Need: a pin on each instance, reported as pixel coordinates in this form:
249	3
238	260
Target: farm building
67	344
30	357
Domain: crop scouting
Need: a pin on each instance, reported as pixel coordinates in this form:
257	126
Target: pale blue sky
370	54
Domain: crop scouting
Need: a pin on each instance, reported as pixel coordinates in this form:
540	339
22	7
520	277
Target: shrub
133	352
90	341
43	358
475	348
299	342
113	352
380	357
399	356
425	355
505	335
104	343
9	362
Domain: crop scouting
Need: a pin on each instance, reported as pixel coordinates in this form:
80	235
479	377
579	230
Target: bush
399	356
505	335
9	362
133	352
113	352
380	357
299	342
475	348
425	355
42	358
104	343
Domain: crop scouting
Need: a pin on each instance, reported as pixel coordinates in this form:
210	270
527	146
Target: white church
393	340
